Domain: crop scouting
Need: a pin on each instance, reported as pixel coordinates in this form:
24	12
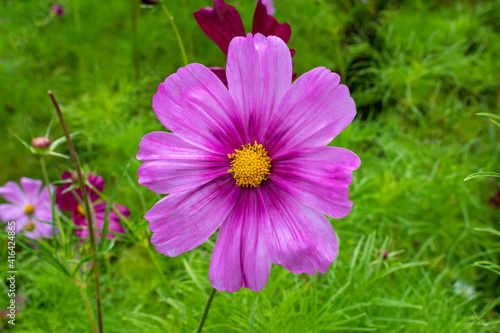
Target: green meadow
419	72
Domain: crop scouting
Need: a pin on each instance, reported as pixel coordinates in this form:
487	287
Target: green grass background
419	72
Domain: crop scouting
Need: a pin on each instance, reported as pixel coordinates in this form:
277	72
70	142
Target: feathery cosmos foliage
250	160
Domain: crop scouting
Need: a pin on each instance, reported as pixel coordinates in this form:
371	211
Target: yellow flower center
30	226
80	210
250	165
29	209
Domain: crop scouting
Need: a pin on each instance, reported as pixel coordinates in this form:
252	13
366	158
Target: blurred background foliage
419	72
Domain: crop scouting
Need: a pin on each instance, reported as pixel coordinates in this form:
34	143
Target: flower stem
88	212
205	313
176	31
52	200
137	238
83	292
135	52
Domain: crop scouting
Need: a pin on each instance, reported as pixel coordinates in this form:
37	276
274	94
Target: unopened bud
74	177
57	9
386	254
41	142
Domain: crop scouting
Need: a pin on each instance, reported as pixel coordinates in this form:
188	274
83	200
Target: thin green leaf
482	174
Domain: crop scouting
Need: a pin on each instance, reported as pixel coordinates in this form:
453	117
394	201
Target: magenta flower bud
386	254
57	9
41	142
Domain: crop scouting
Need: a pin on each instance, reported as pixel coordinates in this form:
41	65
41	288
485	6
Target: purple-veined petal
195	105
97	182
264	23
303	238
13	193
241	256
259	71
9	212
318	177
221	73
171	164
312	112
183	221
31	188
221	24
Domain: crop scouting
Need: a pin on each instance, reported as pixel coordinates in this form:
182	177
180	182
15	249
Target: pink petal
100	213
241	256
41	230
183	221
114	219
65	199
21	221
31	188
303	238
43	205
13	193
269	6
318	177
259	71
267	25
171	164
221	24
97	182
10	212
80	221
312	112
196	106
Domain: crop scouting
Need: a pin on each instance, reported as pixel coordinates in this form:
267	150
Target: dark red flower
223	22
67	201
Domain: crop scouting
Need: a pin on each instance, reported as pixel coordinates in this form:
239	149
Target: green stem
207	308
127	222
52	201
87	209
83	292
176	31
135	52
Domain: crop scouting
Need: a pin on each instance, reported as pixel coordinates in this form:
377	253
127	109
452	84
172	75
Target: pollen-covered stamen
29	209
250	165
30	226
80	210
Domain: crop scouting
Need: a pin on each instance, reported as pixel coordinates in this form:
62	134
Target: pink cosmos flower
250	160
29	207
223	22
67	201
